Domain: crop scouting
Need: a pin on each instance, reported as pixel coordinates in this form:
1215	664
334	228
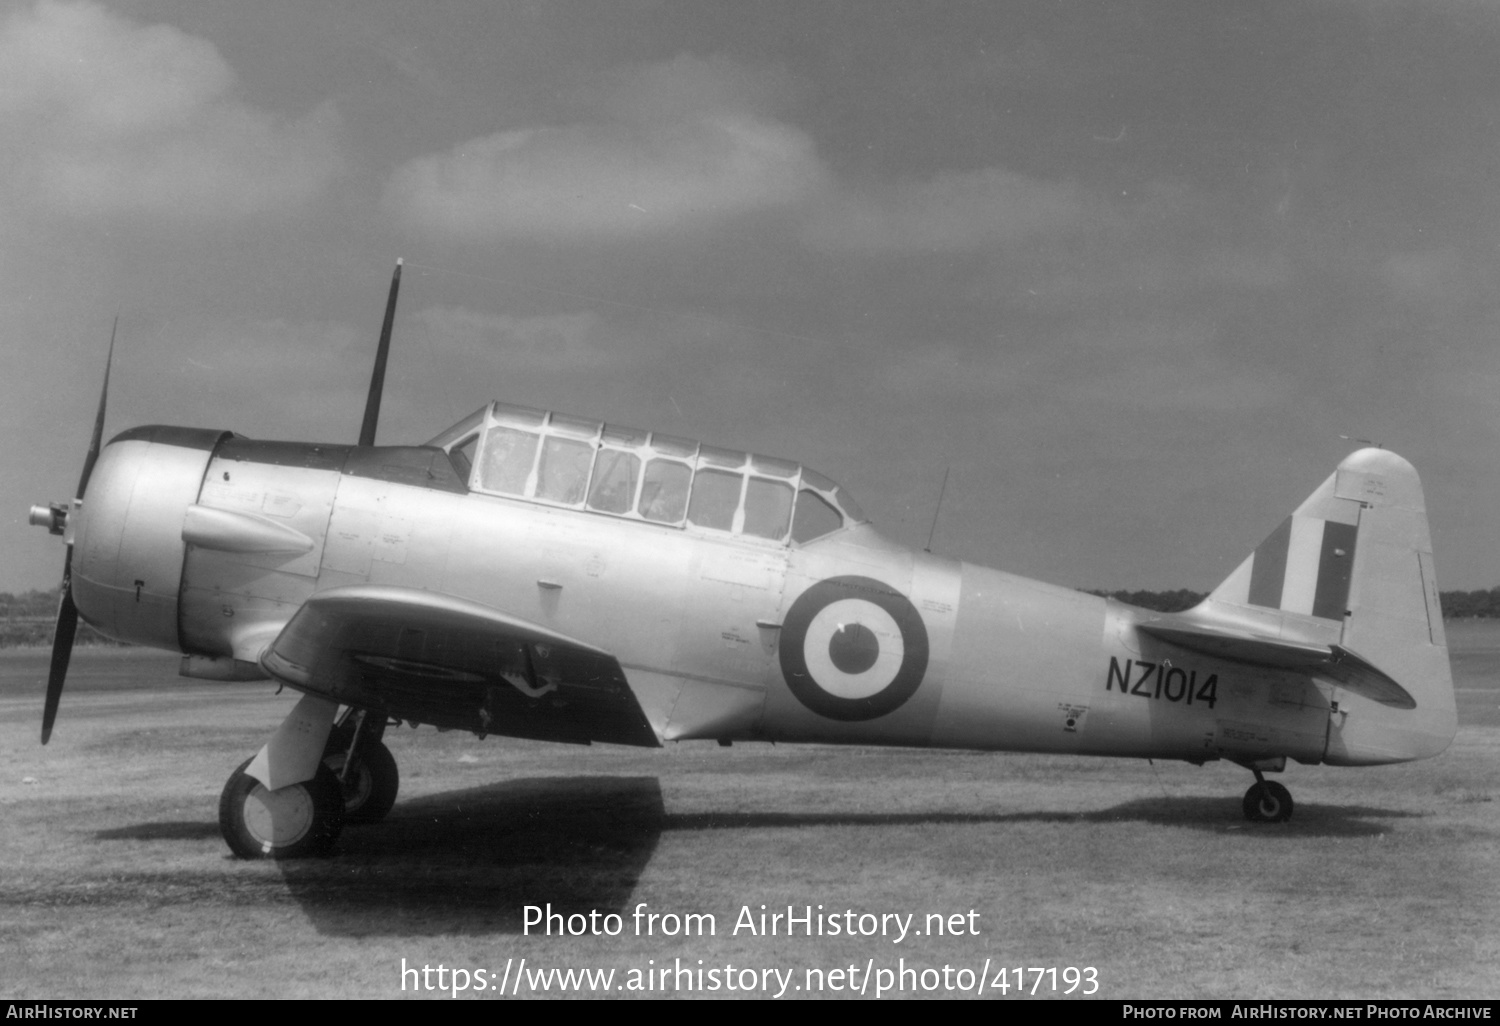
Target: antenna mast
939	509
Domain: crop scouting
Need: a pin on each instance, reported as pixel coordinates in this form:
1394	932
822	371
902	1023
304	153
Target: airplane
532	574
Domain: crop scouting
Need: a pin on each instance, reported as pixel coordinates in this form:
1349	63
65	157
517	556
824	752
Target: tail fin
1351	569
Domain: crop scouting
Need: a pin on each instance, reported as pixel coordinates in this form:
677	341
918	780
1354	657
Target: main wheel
370	787
292	822
1268	802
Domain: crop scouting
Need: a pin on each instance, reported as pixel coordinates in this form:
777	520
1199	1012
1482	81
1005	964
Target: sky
1136	276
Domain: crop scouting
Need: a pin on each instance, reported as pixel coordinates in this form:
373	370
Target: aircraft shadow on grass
174	830
466	862
1210	815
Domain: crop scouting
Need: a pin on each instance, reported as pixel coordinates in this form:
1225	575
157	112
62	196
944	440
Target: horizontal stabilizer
1240	646
1334	662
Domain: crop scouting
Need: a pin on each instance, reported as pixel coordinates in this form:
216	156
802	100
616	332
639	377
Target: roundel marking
853	648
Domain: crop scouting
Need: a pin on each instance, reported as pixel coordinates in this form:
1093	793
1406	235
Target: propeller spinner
55	518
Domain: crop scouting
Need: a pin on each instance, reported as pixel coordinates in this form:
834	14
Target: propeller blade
377	379
98	437
67	611
62	648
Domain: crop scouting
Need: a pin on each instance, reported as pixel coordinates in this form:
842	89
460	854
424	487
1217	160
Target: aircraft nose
127	531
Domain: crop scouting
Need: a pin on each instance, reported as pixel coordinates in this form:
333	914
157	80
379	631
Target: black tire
293	822
1268	802
370	788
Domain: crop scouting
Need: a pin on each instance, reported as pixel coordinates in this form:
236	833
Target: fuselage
206	543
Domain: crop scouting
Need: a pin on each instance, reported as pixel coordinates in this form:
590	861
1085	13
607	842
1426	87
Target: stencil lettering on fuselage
853	648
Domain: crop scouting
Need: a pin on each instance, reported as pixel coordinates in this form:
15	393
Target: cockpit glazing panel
572	462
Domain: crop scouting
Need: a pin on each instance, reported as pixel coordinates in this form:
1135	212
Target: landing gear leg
284	803
364	766
1267	801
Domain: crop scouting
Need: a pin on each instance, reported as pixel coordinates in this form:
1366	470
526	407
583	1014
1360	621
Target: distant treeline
27	619
1457	605
1161	601
1468	605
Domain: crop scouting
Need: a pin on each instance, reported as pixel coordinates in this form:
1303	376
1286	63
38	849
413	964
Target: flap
432	658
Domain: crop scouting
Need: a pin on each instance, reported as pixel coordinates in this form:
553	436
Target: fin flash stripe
1304	566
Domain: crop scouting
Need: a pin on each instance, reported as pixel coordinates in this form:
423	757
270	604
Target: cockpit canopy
558	460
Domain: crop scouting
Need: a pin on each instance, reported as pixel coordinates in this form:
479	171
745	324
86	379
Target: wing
430	658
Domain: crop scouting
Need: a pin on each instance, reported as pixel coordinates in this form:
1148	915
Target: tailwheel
370	786
1268	802
292	822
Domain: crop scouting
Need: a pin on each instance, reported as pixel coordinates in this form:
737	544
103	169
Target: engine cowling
127	532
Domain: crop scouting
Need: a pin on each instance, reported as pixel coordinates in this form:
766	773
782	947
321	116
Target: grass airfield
114	882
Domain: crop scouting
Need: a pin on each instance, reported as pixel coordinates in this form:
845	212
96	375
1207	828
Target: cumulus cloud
606	180
672	145
689	141
104	115
953	211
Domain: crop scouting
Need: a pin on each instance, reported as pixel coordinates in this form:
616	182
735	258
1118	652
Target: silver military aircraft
533	574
